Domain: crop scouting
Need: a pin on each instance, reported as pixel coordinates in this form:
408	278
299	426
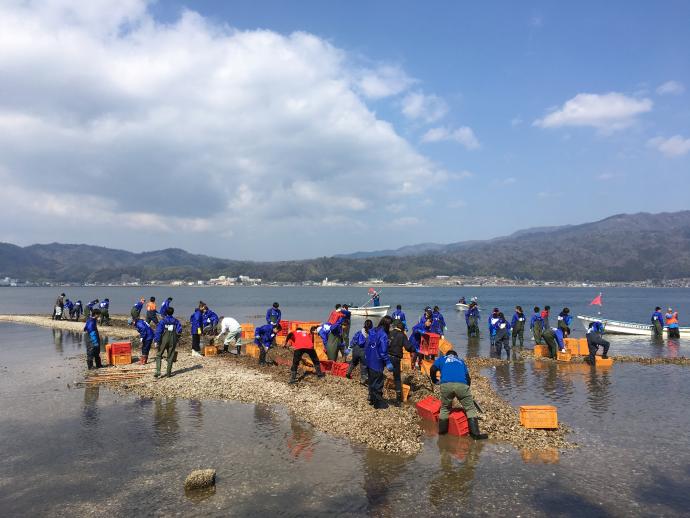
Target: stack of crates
603	362
584	348
572	345
539	416
247	331
121	353
457	423
541	351
429	408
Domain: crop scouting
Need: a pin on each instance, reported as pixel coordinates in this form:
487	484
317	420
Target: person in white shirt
234	333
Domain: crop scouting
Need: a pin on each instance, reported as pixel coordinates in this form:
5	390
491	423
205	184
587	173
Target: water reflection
57	340
300	442
598	390
166	425
453	484
473	347
89	416
382	473
195	413
545	456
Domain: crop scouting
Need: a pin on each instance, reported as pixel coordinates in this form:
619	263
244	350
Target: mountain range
624	247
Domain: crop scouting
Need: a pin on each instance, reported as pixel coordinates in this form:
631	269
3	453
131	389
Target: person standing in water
658	322
536	324
671	318
518	325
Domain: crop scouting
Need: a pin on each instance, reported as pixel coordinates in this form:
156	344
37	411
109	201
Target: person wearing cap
564	321
472	319
454	383
438	323
398	343
146	337
273	315
658	322
493	320
671	318
375	298
59	307
502	336
399	315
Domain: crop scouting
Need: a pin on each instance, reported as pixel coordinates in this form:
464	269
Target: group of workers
670	319
65	309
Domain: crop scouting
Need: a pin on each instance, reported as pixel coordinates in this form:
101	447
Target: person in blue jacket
553	337
564	321
165	339
146	336
518	326
454	383
595	339
472	319
90	307
93	339
536	324
332	337
104	306
274	315
658	322
415	339
493	319
78	310
135	312
69	308
438	323
197	324
165	306
399	315
377	359
211	321
264	337
502	337
358	346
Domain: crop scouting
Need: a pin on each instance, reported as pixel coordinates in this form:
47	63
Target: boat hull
463	307
617	327
373	311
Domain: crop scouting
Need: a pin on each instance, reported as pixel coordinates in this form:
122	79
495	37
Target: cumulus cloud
190	130
427	108
463	135
671	88
673	146
606	112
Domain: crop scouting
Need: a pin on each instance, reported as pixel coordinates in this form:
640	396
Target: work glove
348	351
389	366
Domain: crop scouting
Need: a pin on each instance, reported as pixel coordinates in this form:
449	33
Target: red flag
596	301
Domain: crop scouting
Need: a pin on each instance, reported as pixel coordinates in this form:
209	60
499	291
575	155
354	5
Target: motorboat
369	311
463	307
618	327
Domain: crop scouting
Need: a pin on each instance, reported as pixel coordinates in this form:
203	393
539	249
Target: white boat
370	311
463	307
618	327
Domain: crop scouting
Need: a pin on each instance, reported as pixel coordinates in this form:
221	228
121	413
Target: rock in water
200	479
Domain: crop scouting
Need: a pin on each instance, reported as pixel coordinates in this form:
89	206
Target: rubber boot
158	367
143	359
293	377
239	347
442	426
473	423
398	399
319	372
225	348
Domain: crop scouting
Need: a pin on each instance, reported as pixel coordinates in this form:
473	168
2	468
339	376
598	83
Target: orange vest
151	306
673	319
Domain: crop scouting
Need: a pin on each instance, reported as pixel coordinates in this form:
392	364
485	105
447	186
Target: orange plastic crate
405	364
563	357
210	350
601	362
539	416
247	330
541	351
444	346
390	385
122	359
584	348
121	347
252	350
108	354
572	345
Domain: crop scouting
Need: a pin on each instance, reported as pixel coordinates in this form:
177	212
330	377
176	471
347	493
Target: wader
594	340
537	332
358	359
563	327
502	341
169	345
472	327
519	334
135	313
658	328
333	346
105	317
551	341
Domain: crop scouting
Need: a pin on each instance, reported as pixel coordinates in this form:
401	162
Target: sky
271	130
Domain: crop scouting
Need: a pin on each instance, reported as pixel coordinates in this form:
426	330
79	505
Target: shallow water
75	451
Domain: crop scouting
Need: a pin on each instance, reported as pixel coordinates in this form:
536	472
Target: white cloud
504	182
384	81
463	135
606	112
428	108
673	146
671	88
191	130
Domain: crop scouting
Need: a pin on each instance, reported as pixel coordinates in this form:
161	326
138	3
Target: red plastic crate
457	422
339	369
284	327
429	345
327	365
121	348
428	408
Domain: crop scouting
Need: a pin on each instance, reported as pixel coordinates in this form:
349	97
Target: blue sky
276	130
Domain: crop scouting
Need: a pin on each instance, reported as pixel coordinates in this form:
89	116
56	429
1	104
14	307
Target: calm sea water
70	451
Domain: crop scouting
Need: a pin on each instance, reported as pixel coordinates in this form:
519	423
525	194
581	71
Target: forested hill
619	248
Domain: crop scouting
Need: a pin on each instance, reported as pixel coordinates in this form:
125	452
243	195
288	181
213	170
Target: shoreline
333	405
